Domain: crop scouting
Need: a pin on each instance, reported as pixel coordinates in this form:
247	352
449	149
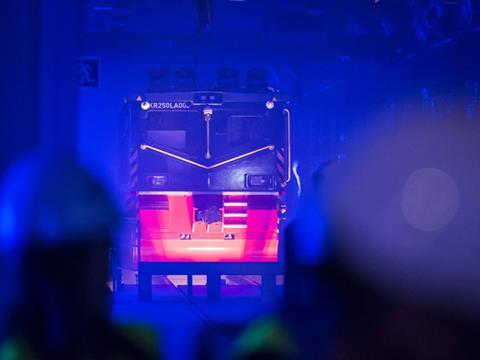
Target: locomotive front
208	170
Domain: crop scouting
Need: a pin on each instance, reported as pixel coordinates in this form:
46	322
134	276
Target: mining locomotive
207	175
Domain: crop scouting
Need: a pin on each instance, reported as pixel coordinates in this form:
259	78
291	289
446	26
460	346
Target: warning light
270	104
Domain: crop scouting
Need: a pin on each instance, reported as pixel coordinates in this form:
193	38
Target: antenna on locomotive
207	114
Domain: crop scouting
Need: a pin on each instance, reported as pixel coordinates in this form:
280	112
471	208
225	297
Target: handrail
191	162
289	148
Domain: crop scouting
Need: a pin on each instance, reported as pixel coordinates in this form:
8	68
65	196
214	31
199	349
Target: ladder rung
234	226
234	204
234	215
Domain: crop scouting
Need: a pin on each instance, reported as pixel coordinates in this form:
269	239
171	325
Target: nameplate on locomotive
166	105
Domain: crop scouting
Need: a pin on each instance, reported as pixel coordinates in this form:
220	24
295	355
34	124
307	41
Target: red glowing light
243	234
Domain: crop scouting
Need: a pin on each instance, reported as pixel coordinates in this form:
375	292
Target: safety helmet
52	201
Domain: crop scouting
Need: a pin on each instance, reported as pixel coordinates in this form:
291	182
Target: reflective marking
145	147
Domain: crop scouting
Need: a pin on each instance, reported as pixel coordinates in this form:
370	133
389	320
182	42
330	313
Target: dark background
341	63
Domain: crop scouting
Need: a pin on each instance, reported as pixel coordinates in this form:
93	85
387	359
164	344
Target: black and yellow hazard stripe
281	167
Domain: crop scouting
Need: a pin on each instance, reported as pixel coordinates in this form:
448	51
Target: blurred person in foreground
302	328
397	268
55	237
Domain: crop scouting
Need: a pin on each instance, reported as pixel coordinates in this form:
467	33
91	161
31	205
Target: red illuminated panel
254	232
